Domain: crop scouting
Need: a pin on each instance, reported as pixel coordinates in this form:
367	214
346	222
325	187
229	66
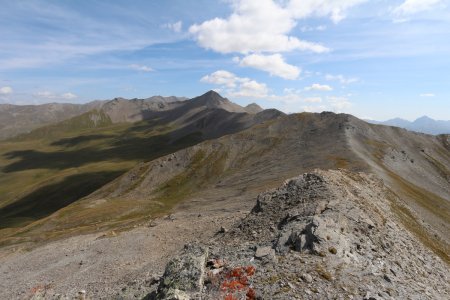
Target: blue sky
375	59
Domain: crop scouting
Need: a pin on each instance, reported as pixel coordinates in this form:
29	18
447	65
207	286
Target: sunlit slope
417	168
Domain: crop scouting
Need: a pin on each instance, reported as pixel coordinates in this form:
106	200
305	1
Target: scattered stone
154	279
264	251
215	263
82	295
216	271
306	278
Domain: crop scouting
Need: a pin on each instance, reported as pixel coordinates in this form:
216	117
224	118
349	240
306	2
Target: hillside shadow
131	144
48	199
125	148
75	141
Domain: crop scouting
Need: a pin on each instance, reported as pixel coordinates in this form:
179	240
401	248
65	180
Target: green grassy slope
51	167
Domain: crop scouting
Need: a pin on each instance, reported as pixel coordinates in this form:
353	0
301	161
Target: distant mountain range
17	119
20	119
423	124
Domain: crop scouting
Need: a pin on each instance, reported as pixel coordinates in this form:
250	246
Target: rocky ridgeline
324	235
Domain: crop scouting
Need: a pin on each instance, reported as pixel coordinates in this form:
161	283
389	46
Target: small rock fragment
264	251
306	278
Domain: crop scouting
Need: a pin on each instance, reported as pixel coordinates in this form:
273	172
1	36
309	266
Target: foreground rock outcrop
322	235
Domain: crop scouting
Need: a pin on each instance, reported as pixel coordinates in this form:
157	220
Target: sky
375	59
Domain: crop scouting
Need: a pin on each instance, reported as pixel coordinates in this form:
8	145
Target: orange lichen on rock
237	281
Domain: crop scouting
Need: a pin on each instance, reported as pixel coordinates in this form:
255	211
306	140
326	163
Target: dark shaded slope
50	198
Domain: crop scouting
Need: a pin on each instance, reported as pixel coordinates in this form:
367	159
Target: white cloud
142	68
312	100
316	28
292	96
291	100
316	108
427	95
68	96
319	87
339	104
251	89
342	79
176	27
410	7
254	26
335	9
47	95
239	87
6	90
273	64
221	77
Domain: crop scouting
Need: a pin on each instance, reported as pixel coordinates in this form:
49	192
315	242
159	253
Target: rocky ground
108	265
323	235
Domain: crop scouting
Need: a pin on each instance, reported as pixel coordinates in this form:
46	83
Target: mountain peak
424	118
212	93
212	99
253	108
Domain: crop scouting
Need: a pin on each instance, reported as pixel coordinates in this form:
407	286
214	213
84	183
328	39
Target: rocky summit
322	235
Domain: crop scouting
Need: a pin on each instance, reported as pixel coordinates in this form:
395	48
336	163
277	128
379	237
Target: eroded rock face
324	235
184	275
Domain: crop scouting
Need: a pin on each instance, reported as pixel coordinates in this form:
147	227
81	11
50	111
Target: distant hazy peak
425	119
423	124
